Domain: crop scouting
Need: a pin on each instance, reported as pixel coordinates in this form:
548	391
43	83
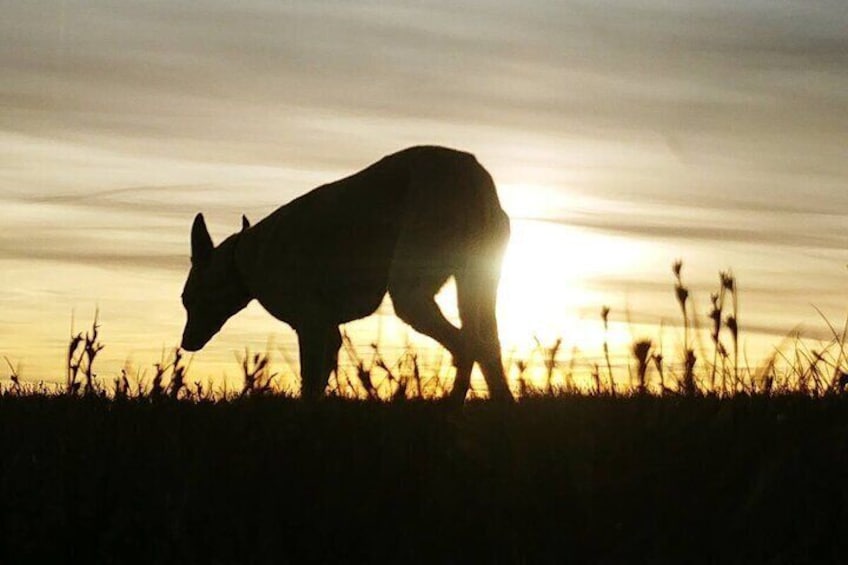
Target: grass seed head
682	294
728	281
730	322
642	349
676	267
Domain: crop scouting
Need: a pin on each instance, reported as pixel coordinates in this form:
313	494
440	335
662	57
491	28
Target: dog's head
214	290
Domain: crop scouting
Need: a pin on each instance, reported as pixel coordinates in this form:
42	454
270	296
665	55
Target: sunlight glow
546	279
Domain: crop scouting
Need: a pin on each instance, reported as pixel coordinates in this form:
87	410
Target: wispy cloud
183	71
679	229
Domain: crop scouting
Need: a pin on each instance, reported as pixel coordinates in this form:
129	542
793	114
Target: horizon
621	137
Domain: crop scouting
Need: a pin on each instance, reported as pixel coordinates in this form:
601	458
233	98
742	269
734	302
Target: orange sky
640	133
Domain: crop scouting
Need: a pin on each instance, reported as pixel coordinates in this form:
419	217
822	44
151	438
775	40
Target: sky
622	136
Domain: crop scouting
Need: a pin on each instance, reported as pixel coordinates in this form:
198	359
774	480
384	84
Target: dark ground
573	479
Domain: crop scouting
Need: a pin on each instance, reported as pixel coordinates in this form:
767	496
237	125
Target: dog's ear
245	223
201	241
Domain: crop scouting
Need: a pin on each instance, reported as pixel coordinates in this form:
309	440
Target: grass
720	368
268	479
700	458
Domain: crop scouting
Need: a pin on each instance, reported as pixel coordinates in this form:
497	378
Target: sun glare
540	286
546	282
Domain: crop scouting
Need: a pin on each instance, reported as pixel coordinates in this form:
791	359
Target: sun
549	279
542	289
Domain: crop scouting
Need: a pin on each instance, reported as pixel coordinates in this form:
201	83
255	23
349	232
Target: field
696	459
596	479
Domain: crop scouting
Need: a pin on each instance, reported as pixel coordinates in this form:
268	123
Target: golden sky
622	135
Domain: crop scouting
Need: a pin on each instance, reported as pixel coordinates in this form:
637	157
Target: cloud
101	259
770	226
88	248
718	234
182	69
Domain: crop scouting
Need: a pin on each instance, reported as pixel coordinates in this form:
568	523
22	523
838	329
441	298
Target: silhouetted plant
175	386
199	393
842	383
840	343
658	363
569	386
642	353
157	391
682	295
717	300
728	283
681	292
363	373
408	376
689	387
549	355
596	378
74	362
605	317
178	374
415	375
257	374
523	385
394	379
83	349
122	386
14	376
